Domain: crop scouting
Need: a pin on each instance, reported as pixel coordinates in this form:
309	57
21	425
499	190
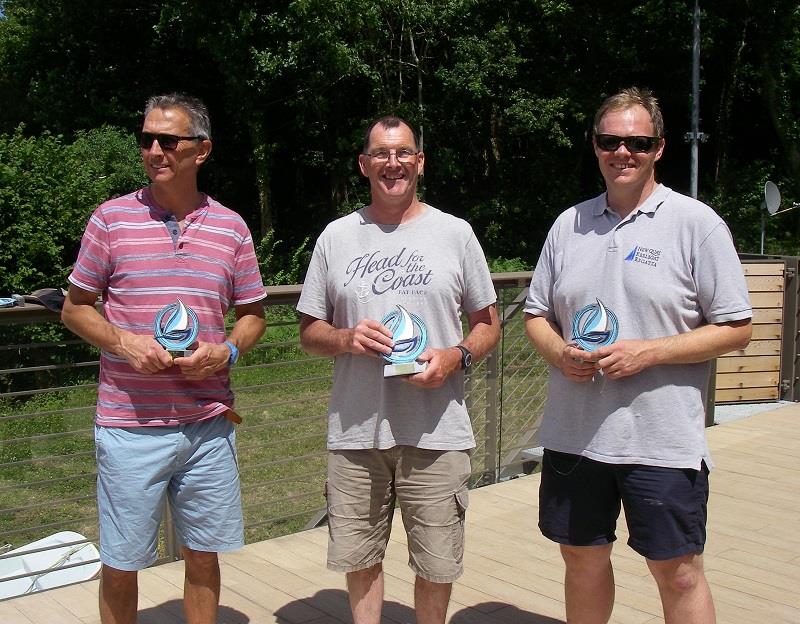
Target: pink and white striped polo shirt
130	256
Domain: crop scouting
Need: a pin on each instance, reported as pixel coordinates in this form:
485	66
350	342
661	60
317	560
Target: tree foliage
503	91
47	190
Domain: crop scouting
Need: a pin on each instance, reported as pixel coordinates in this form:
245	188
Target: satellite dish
772	197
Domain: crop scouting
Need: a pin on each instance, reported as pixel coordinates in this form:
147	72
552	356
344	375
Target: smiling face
628	174
178	166
393	184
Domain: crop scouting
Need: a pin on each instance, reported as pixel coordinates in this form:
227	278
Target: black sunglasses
168	142
635	144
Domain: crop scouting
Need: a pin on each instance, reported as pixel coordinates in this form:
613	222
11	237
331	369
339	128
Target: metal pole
695	134
763	227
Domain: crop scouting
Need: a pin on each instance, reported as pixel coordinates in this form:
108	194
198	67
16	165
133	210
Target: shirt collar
649	205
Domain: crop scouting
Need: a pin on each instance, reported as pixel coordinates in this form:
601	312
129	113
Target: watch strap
234	353
466	357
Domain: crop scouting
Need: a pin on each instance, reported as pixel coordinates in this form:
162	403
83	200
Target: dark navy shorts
666	508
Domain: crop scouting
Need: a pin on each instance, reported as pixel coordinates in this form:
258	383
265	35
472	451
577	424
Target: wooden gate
754	373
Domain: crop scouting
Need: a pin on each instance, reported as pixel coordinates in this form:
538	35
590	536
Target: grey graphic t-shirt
434	267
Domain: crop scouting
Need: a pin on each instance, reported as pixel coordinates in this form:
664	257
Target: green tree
48	189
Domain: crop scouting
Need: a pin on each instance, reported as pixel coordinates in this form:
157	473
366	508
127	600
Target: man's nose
155	148
622	146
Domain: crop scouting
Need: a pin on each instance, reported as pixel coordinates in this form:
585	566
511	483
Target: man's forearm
702	344
319	337
247	331
86	322
484	333
545	338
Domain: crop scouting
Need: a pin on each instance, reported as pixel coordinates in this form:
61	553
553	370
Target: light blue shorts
193	465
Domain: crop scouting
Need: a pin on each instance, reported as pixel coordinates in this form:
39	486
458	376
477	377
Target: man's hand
441	364
143	353
207	359
623	358
578	365
369	337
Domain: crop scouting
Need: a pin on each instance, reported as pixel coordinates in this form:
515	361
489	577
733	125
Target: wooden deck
513	575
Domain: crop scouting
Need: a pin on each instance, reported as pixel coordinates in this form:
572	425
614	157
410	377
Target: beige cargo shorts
429	487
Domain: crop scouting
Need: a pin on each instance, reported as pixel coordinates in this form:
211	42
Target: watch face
466	357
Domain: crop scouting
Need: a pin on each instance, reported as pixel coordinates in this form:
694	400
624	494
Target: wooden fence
764	371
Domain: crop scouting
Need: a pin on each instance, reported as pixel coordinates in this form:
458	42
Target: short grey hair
627	98
387	122
193	107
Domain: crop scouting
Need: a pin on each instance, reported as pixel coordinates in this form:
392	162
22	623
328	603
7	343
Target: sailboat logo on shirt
594	326
644	255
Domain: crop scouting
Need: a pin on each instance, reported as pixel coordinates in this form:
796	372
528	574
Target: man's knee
586	558
115	578
198	562
366	574
679	575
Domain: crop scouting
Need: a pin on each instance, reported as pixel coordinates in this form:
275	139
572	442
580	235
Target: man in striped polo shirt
163	426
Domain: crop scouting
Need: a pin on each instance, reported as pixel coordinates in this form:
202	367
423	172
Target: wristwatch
234	352
466	357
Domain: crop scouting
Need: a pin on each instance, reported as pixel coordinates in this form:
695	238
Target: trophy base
407	368
180	352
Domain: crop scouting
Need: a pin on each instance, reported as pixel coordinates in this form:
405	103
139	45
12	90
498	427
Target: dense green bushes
48	189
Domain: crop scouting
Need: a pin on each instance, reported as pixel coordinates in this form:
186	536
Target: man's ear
362	164
203	152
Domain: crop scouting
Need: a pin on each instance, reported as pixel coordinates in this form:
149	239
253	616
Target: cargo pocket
462	502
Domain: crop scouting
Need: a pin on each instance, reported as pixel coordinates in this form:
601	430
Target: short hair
200	124
389	121
627	98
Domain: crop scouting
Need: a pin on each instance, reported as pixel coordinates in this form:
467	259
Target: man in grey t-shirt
635	291
404	439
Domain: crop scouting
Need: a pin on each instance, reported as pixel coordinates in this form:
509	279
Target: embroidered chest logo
644	255
594	326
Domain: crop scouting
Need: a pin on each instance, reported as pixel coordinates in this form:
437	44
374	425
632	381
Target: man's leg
365	588
200	586
588	583
433	496
207	511
360	497
431	600
119	594
685	595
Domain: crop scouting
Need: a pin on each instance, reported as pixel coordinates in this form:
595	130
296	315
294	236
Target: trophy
175	328
594	326
410	339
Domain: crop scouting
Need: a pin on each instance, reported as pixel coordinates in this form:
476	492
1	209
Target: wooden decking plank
513	574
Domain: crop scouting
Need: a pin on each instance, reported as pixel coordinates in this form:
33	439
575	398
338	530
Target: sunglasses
635	144
168	142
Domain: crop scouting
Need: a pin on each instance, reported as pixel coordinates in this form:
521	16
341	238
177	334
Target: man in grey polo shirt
404	439
635	292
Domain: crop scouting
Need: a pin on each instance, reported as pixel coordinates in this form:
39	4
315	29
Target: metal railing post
492	452
790	343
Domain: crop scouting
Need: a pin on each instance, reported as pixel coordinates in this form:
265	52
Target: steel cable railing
47	391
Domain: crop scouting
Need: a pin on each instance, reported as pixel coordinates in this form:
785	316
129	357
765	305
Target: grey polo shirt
668	268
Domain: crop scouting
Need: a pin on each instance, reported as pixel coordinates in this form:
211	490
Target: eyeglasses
168	142
403	155
635	144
